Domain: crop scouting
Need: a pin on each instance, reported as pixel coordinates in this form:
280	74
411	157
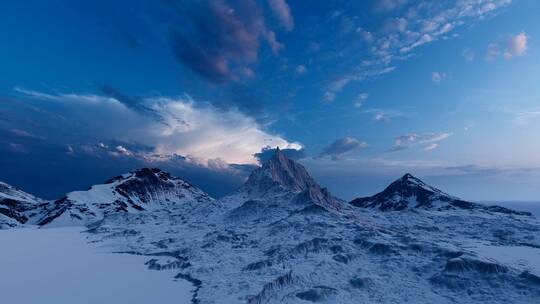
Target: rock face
141	190
409	192
281	174
18	207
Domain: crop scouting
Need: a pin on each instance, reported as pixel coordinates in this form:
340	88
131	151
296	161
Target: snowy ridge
409	192
18	207
281	238
275	240
141	190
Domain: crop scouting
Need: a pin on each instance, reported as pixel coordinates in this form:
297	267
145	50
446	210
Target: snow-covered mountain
409	192
18	207
141	190
281	238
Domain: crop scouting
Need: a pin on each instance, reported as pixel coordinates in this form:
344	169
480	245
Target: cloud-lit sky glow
364	91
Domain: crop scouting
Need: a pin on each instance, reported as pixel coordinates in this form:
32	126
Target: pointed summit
280	173
410	192
406	192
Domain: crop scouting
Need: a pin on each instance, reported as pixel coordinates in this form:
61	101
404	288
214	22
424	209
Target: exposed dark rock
317	294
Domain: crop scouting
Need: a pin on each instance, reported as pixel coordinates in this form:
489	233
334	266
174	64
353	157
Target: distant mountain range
282	238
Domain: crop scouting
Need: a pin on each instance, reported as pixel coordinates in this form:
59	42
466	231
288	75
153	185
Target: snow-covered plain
57	265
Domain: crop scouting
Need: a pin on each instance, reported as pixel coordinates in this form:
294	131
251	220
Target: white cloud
430	147
183	127
124	151
437	76
428	141
384	115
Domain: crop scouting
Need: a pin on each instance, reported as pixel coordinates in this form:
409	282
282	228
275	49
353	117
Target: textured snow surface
142	190
56	265
281	238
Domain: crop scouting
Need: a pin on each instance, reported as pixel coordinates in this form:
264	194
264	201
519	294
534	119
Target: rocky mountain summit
409	192
282	238
141	190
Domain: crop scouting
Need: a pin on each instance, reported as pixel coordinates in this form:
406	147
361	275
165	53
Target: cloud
389	5
509	47
267	152
21	133
282	11
75	98
301	69
341	147
42	168
384	115
216	39
178	126
419	24
516	46
123	151
360	99
437	76
468	54
428	141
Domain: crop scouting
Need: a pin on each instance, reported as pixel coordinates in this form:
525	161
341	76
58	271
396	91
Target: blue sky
365	90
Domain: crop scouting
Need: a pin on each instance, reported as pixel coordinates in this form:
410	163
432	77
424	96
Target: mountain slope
141	190
409	192
281	174
18	207
281	238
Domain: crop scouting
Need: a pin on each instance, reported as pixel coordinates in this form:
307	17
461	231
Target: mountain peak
145	189
280	171
18	207
407	192
410	192
407	176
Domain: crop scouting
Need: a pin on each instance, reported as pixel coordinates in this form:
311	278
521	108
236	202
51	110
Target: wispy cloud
428	141
468	54
360	99
415	24
389	5
282	11
384	115
438	76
